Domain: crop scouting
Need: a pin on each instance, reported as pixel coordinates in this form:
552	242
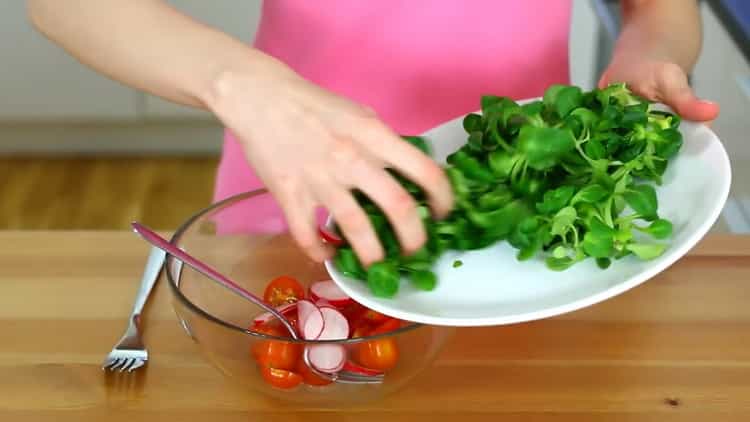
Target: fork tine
112	362
126	364
118	362
137	364
108	362
358	377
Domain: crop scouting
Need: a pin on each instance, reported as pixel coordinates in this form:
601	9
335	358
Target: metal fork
130	353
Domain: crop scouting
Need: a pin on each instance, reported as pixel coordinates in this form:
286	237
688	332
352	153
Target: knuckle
353	219
286	184
344	152
670	69
402	205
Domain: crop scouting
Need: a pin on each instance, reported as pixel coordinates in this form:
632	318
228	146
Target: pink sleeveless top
418	63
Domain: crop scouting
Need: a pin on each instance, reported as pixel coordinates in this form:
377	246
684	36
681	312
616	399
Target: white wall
40	82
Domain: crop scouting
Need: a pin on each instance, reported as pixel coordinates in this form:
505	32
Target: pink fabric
418	63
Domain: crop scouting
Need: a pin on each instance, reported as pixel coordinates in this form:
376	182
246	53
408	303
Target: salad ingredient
358	369
381	354
283	290
311	322
280	378
327	357
330	237
276	354
329	292
335	325
281	362
286	309
309	377
552	177
391	325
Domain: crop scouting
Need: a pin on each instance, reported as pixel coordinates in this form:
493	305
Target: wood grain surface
674	349
102	193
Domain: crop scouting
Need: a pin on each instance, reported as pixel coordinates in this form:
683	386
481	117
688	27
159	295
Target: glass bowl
246	238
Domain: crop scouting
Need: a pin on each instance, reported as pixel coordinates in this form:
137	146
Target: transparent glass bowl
246	238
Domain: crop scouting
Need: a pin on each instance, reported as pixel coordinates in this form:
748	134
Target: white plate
493	288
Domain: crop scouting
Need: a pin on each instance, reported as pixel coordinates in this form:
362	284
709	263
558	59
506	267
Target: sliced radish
284	309
335	325
358	369
330	292
327	357
330	237
310	318
320	303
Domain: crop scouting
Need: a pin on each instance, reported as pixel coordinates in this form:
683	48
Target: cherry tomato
390	325
274	353
292	316
360	331
374	317
283	289
380	354
308	376
280	378
353	311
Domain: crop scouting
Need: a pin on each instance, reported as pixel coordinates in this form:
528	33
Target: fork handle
150	276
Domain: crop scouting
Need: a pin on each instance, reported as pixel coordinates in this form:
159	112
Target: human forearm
668	30
148	45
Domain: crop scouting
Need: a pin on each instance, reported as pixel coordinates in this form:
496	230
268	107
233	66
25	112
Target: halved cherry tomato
283	289
381	354
308	376
280	378
274	353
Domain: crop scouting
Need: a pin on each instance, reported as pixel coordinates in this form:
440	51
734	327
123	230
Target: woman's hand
312	148
662	81
658	45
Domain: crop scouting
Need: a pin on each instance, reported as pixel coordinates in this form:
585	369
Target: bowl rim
188	223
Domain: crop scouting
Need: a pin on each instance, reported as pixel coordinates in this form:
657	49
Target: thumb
674	91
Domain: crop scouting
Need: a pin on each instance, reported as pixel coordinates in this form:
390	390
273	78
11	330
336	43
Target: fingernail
708	102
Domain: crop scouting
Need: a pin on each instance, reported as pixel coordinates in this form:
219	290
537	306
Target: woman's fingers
300	215
392	198
350	217
409	161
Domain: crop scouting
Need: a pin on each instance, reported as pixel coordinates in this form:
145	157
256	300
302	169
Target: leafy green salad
553	178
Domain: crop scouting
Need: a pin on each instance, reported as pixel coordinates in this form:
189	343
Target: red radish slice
327	357
330	292
335	325
357	369
284	309
329	237
320	303
310	318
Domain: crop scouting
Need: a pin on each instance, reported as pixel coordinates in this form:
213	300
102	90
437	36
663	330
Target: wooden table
676	348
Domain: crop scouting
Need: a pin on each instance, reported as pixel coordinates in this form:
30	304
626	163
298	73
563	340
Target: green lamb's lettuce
551	177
